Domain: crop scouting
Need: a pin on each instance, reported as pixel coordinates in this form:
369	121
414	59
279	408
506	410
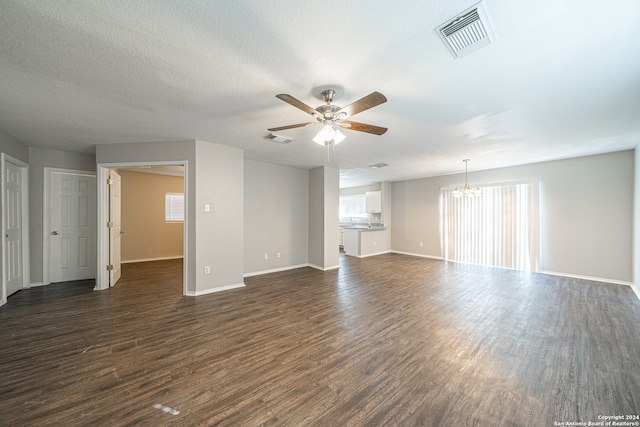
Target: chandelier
467	190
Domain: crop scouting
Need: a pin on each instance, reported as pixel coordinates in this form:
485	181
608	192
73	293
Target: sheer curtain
500	227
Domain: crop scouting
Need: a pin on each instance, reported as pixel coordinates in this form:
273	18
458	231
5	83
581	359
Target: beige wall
147	236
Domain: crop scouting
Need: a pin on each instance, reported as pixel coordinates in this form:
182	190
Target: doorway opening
137	233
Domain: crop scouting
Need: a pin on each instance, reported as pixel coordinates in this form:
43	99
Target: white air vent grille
278	138
467	32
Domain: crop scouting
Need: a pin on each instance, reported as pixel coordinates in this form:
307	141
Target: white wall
353	191
11	146
586	213
276	206
324	199
219	233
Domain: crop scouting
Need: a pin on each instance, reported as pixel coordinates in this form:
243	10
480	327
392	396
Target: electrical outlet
420	244
278	255
207	207
266	256
207	270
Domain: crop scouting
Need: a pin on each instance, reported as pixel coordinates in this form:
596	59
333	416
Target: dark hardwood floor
390	340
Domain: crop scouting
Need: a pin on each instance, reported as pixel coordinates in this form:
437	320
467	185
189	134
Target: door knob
54	233
6	235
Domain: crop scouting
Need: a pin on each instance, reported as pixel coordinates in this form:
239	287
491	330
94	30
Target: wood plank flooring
390	340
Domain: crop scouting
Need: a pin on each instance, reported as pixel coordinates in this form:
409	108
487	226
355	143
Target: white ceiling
562	79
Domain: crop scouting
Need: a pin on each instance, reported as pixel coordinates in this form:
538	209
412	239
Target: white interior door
13	227
72	240
115	203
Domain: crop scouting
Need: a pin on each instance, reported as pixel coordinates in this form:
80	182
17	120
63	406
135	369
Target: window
174	207
498	228
353	206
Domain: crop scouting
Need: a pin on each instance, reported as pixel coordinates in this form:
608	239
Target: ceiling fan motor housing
327	111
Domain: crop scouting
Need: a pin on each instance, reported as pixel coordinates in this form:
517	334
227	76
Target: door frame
46	217
102	173
24	226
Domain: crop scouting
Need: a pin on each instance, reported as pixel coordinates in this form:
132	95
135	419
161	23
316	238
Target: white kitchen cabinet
374	201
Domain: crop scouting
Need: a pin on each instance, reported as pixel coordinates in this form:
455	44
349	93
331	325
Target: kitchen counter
365	241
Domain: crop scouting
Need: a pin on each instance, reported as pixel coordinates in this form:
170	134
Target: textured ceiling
562	79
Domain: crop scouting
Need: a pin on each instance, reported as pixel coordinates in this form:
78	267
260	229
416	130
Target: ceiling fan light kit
331	116
328	135
467	190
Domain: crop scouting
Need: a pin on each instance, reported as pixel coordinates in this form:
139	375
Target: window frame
174	212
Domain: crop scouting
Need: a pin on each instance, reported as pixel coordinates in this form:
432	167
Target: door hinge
109	224
109	181
109	267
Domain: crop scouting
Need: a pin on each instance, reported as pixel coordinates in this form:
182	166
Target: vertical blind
499	228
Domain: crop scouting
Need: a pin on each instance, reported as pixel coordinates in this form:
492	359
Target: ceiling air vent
467	32
278	138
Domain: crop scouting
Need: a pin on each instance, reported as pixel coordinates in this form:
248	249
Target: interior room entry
110	202
72	226
12	184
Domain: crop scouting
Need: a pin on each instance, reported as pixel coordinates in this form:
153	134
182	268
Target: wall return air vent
467	32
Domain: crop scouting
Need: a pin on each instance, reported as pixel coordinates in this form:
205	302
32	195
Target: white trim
102	276
24	222
37	285
46	217
102	235
591	278
636	291
317	267
418	255
373	254
274	270
214	290
160	258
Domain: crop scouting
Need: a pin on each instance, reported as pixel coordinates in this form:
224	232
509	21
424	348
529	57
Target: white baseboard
160	258
418	255
593	279
35	285
317	267
274	270
373	254
3	301
214	290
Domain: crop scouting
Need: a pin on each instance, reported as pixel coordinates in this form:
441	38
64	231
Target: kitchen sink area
362	230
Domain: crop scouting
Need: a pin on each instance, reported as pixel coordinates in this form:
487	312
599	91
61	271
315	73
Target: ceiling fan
331	115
